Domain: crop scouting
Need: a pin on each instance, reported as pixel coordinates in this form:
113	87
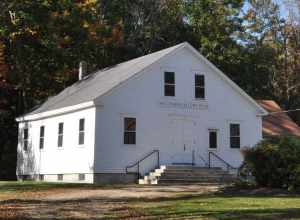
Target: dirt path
91	203
148	192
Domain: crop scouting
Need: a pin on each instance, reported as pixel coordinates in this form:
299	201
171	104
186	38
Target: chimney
82	70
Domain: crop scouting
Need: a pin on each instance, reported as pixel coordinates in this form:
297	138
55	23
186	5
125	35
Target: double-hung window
25	139
129	131
235	139
81	132
169	84
42	136
60	134
199	86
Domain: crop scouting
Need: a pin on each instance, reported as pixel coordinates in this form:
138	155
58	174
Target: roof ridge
100	74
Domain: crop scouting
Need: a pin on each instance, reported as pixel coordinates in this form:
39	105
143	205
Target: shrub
275	162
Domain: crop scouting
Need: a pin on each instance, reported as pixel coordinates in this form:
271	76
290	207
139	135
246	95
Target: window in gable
169	84
199	86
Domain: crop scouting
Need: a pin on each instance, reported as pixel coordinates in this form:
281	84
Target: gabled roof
278	123
99	83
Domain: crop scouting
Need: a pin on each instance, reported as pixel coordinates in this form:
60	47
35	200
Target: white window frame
129	131
239	136
26	140
201	87
169	84
60	135
81	132
217	137
42	138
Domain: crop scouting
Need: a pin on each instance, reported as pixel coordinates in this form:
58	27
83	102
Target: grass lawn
28	200
223	207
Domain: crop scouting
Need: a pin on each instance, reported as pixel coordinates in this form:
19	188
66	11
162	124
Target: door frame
191	150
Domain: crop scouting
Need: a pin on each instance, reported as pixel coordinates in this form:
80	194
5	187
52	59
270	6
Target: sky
283	7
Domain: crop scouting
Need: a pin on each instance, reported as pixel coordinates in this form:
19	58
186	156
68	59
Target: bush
275	162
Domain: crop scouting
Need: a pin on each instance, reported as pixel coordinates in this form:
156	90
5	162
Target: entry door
184	140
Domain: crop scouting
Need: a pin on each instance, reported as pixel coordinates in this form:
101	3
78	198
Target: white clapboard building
171	107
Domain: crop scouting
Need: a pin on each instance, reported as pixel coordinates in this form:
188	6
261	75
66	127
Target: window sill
200	100
129	145
169	97
60	148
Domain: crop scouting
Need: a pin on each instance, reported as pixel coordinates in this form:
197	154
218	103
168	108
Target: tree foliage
275	162
42	42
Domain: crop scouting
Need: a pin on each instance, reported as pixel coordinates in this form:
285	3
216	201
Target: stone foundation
97	178
114	178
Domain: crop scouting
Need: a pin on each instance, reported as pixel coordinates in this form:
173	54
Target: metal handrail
141	160
204	161
222	160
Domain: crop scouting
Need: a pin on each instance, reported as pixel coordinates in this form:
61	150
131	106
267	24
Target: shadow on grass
227	204
18	186
249	214
187	207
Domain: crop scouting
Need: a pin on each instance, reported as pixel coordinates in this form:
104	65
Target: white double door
183	140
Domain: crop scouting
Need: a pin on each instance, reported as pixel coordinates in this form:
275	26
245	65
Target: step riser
197	178
193	168
194	181
194	173
188	175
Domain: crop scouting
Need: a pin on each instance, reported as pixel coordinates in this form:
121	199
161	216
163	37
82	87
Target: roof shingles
277	123
99	83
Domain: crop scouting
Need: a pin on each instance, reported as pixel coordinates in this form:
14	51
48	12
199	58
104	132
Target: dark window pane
25	133
81	177
199	92
60	177
129	124
169	77
234	130
81	138
41	177
60	128
60	141
212	139
199	80
42	131
25	144
235	142
41	143
25	139
129	138
81	124
169	90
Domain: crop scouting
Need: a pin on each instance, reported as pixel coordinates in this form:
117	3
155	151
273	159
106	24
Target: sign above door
196	106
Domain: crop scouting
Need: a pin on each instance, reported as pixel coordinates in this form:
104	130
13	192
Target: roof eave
56	112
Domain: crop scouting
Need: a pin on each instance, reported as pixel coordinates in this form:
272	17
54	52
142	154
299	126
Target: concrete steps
186	174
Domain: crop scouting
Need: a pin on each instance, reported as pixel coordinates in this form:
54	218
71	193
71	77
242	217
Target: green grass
232	204
223	207
21	186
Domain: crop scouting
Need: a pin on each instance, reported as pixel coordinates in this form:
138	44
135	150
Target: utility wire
279	112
